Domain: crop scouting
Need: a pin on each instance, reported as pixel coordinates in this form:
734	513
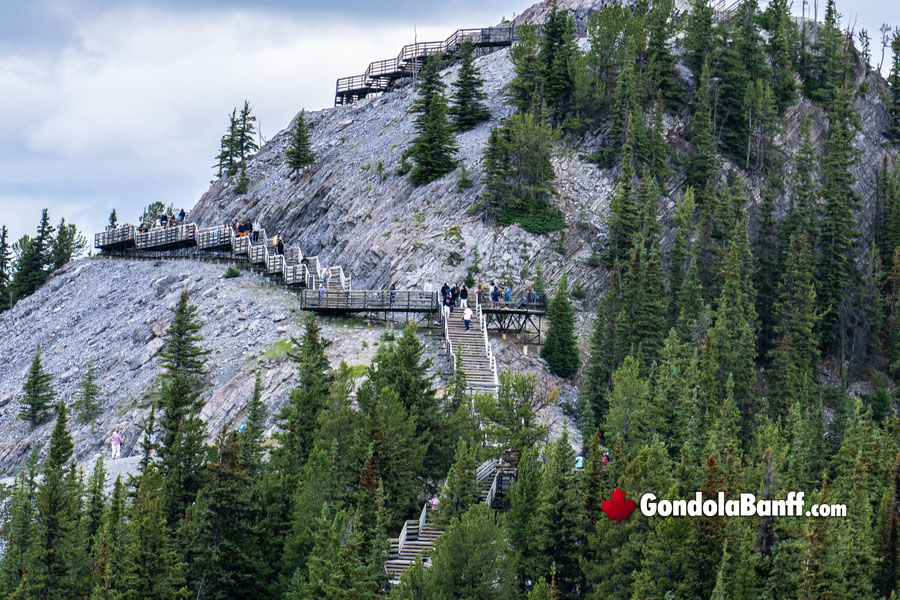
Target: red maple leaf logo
618	508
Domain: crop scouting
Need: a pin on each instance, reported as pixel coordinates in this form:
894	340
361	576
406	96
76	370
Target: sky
118	103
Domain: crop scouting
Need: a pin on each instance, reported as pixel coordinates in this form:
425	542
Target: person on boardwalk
256	229
467	317
393	293
464	296
321	293
117	440
428	291
434	502
279	248
454	292
507	294
495	294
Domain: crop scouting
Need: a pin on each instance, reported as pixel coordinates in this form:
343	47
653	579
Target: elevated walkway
381	75
417	537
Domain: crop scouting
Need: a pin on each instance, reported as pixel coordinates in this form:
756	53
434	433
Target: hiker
478	293
579	461
181	216
495	294
321	292
163	220
534	296
393	293
454	292
445	289
464	296
116	444
507	294
279	249
256	229
429	287
435	502
605	459
467	317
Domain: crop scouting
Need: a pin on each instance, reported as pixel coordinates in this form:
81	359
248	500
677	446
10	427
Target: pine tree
801	217
252	435
766	276
226	160
644	295
225	543
624	214
511	419
521	520
527	87
469	558
560	349
113	219
38	394
336	568
34	261
558	51
151	569
108	556
467	107
702	162
67	244
18	529
832	65
300	154
461	490
628	415
837	223
55	558
781	54
5	268
434	147
734	74
245	144
698	39
663	75
87	405
893	127
888	235
182	429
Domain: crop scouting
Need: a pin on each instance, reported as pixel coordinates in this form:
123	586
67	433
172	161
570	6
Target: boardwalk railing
114	236
487	345
368	300
380	74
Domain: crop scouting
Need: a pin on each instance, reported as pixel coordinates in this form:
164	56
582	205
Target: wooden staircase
472	348
417	537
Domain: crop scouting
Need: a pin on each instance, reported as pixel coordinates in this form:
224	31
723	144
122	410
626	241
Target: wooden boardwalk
381	75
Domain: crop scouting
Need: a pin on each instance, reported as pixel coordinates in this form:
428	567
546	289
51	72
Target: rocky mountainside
116	312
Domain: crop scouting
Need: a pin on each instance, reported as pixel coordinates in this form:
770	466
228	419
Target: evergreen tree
521	520
698	38
893	127
888	235
624	214
5	268
837	223
628	416
781	54
560	349
336	568
558	51
225	542
734	76
511	419
87	398
467	107
832	65
55	556
702	162
245	144
801	217
38	394
34	261
433	149
662	72
18	529
226	160
528	84
470	558
252	435
108	550
644	296
300	154
765	277
67	244
113	219
461	490
151	569
181	451
560	532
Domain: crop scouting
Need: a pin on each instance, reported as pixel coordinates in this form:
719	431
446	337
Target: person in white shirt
467	317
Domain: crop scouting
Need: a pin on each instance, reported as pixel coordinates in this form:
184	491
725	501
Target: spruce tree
511	418
527	87
624	214
467	107
560	349
38	394
252	435
34	260
87	398
521	519
300	153
663	75
733	72
801	217
461	490
336	567
433	149
18	528
888	235
225	544
181	450
702	162
113	219
5	268
893	126
837	224
766	276
67	244
795	354
558	51
245	144
781	54
151	568
108	550
55	558
698	38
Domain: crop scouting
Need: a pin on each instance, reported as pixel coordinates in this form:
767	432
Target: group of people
164	220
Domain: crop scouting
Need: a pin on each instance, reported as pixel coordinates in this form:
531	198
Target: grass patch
279	349
358	371
231	273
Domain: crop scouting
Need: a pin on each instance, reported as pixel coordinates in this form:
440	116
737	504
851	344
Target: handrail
488	348
422	518
489	499
484	469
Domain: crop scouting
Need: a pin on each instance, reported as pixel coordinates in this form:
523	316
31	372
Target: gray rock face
116	313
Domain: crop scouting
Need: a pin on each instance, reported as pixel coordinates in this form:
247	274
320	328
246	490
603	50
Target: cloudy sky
117	103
